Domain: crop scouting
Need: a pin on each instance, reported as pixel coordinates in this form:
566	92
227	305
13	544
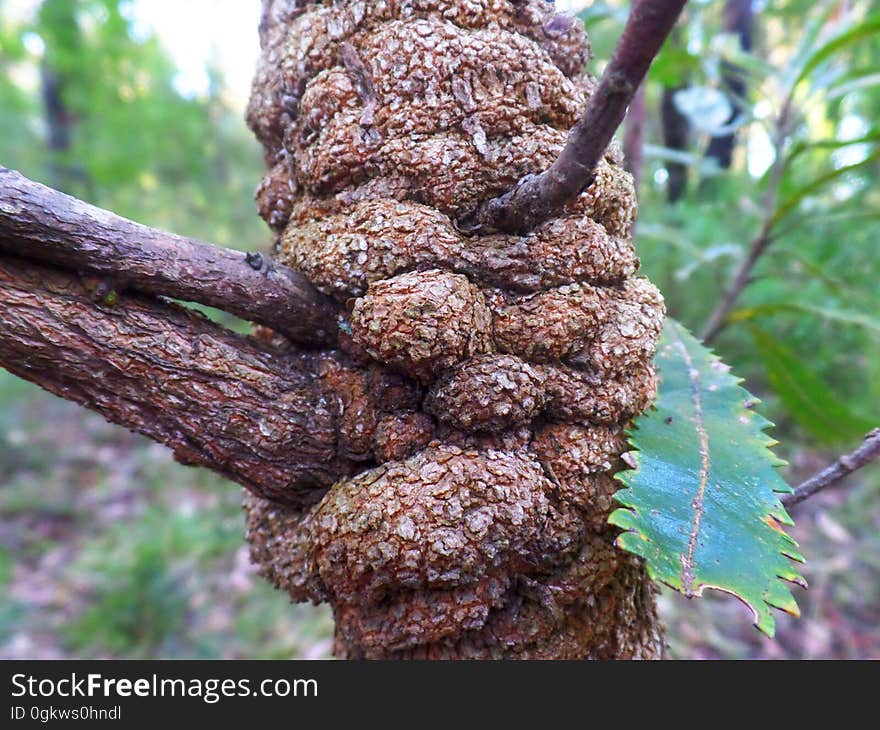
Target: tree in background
737	21
112	116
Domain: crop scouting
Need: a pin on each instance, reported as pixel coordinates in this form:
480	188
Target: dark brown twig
845	465
37	222
536	198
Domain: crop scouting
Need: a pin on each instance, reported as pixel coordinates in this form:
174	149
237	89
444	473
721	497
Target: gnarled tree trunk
474	520
430	417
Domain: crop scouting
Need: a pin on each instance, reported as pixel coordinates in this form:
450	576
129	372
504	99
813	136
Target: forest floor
108	548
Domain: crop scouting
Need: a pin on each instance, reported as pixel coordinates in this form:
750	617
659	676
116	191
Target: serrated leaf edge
623	517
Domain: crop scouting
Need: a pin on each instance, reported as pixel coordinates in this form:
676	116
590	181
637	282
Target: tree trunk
481	529
437	461
63	39
634	136
675	136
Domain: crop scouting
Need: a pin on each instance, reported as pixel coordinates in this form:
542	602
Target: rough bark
444	478
481	528
219	400
44	224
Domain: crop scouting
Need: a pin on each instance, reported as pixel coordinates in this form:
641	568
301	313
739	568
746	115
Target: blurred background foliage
757	130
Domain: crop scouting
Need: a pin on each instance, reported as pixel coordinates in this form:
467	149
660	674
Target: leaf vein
687	560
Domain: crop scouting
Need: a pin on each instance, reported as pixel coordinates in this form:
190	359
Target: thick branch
40	223
844	466
538	197
217	399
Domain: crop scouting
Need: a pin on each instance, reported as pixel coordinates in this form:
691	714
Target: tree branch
40	223
845	465
717	320
219	400
538	197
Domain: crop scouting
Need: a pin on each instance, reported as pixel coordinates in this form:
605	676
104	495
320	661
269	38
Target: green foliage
672	66
137	145
6	567
842	41
701	504
805	396
814	289
138	603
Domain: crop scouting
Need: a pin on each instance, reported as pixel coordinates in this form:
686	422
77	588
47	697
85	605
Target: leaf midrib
687	560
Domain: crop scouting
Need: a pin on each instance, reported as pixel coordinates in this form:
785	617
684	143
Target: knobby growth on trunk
476	524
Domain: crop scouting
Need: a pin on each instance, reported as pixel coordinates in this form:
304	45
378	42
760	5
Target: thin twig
717	320
39	223
845	465
536	198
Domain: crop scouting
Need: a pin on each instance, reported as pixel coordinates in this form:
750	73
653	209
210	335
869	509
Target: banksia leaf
701	502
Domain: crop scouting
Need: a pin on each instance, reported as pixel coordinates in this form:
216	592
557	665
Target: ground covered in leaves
110	549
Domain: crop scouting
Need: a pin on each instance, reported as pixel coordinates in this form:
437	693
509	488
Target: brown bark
43	224
481	531
216	399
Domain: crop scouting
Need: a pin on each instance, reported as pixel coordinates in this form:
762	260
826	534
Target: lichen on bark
509	365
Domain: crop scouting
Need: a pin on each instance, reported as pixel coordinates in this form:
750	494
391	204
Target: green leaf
806	397
791	203
856	80
866	29
672	65
701	504
809	39
871	137
842	316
